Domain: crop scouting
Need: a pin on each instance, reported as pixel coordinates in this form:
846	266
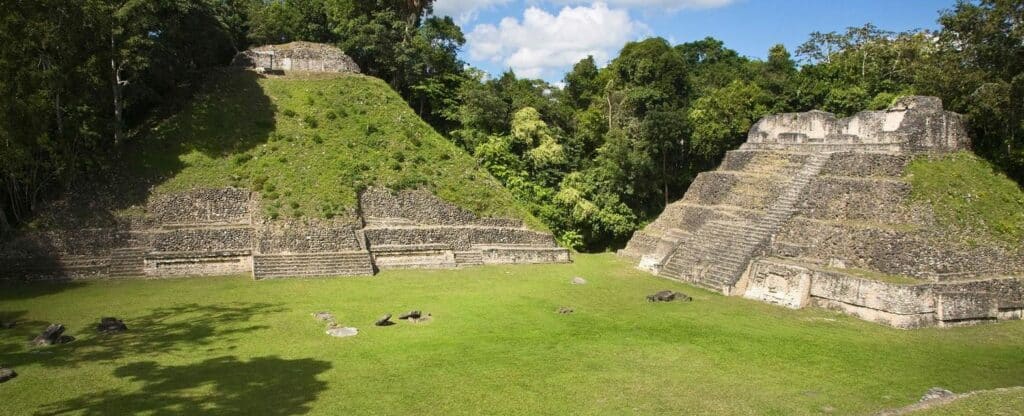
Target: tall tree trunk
5	227
59	113
664	173
118	87
609	95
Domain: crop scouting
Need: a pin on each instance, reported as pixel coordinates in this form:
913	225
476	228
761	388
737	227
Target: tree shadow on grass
224	385
177	329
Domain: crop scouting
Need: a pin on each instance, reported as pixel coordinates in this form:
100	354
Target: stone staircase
127	262
469	258
716	256
353	263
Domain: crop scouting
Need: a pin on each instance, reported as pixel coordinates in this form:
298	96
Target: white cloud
542	43
464	11
662	4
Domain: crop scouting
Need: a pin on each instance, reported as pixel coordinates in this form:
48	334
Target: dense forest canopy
594	159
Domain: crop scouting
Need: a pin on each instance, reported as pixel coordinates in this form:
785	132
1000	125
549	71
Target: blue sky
542	38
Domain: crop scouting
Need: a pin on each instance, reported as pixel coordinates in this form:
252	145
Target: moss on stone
970	196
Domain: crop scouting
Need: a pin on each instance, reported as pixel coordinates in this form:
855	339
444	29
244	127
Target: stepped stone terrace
814	210
215	232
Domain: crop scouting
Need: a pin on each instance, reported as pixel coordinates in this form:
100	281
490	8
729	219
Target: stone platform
214	232
825	195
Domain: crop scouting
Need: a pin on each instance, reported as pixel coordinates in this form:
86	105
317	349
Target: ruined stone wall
212	232
92	241
866	165
202	206
202	239
458	238
309	236
898	305
418	206
923	253
913	124
297	56
836	198
742	190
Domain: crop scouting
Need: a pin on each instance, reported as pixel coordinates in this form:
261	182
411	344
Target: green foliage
970	196
325	163
228	345
721	119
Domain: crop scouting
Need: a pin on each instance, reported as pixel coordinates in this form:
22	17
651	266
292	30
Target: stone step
312	264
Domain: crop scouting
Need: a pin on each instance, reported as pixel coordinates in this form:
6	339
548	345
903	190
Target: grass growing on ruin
495	346
968	194
308	144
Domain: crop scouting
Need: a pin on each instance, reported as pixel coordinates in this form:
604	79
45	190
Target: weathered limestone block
882	296
914	124
952	306
198	263
898	305
523	255
779	284
297	56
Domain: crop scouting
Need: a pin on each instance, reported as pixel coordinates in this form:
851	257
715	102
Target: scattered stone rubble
110	325
384	320
668	296
53	334
936	393
323	316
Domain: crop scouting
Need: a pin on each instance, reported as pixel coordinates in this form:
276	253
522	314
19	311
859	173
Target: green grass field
496	346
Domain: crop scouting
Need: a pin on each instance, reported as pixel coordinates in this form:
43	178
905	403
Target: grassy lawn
496	346
990	403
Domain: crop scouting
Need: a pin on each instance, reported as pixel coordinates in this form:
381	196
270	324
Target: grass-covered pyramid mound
308	144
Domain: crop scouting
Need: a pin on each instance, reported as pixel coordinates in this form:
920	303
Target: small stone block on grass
111	326
342	331
7	374
384	320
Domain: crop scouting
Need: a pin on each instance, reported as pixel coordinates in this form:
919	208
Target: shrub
288	112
